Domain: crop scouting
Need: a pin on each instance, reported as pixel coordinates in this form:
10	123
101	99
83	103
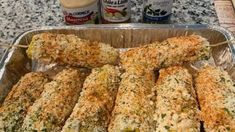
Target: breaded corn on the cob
21	97
93	110
172	51
58	99
134	108
216	95
176	106
71	50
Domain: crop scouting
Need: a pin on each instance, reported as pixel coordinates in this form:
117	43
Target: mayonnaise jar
80	11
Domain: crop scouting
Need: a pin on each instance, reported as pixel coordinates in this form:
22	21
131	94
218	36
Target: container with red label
80	11
115	11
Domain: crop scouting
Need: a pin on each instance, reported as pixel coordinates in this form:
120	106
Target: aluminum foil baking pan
15	63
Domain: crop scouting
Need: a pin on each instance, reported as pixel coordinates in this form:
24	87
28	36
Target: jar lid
76	3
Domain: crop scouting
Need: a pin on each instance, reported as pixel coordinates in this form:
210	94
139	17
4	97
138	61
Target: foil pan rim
10	72
228	34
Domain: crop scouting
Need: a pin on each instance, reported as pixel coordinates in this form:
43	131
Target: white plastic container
157	11
80	11
115	11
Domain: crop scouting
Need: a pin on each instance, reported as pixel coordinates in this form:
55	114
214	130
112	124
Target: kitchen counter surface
17	16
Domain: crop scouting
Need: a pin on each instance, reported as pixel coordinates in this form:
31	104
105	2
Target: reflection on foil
122	36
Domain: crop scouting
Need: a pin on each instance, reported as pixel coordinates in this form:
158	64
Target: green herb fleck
167	127
177	80
225	109
163	116
131	130
222	79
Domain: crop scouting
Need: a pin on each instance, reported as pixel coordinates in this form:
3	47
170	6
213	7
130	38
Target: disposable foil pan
15	63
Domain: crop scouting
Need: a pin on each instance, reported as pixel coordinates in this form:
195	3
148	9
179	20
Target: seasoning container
115	11
157	11
80	11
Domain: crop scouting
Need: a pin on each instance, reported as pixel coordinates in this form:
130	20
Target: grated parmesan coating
216	95
172	51
58	99
71	50
134	107
21	97
176	107
93	110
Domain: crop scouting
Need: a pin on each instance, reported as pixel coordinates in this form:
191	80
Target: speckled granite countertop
17	16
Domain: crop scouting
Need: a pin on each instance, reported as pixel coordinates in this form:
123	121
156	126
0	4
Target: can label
115	10
157	10
86	15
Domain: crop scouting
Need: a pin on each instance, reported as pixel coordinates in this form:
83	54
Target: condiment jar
80	11
115	11
157	11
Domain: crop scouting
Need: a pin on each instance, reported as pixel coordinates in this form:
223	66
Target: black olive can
157	11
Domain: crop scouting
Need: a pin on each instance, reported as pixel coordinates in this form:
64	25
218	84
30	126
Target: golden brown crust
172	51
22	96
94	107
58	99
30	84
216	93
134	107
71	50
176	106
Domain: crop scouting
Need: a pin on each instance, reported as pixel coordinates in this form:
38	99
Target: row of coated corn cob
74	51
103	107
35	104
176	108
